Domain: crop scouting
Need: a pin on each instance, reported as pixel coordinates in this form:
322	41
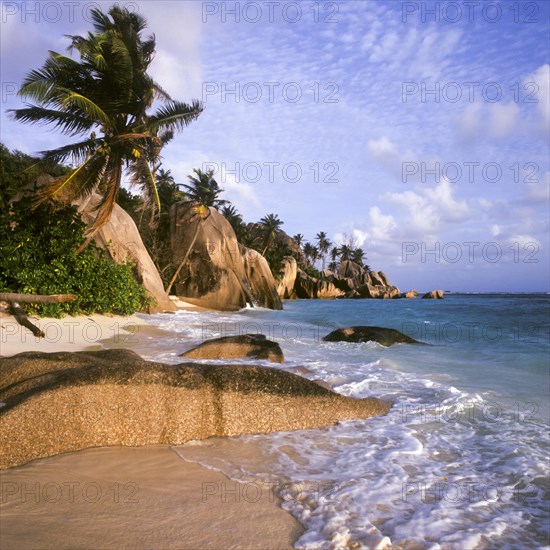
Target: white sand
135	498
69	333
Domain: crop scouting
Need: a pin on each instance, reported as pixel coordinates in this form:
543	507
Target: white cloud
177	65
431	209
385	152
541	79
503	119
538	191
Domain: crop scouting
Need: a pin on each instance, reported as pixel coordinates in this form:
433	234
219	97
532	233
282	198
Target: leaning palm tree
271	224
105	98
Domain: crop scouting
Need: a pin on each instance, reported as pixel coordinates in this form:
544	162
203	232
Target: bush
38	256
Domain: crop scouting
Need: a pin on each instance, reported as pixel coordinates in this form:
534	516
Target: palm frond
67	123
78	152
176	115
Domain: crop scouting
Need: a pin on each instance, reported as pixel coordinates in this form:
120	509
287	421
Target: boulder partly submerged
384	336
254	346
61	402
434	295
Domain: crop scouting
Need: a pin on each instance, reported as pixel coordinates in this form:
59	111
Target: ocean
462	459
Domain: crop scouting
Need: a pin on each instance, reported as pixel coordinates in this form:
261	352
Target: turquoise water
461	461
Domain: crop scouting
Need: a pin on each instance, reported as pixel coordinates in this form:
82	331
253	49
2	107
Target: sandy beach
81	333
124	497
129	498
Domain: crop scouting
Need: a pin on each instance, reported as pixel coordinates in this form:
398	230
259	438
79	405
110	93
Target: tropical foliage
38	255
203	189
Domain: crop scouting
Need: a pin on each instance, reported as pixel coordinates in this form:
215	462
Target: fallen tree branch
37	298
21	317
19	313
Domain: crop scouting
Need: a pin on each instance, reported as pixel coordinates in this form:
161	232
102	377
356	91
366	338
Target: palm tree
345	252
108	92
323	244
315	255
271	224
309	251
230	213
298	239
203	189
357	256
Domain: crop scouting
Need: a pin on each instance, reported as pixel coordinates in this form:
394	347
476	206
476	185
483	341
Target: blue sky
418	128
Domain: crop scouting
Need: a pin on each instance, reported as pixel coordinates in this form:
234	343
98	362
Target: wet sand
135	498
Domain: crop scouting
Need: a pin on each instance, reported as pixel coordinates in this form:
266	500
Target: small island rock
434	295
384	336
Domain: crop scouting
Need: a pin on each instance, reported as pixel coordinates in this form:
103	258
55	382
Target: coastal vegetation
38	252
106	98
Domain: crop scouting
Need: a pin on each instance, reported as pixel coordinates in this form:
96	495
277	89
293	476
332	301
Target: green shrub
38	256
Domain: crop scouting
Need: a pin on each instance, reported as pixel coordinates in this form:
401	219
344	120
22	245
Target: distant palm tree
308	251
107	91
345	253
334	253
323	244
203	189
298	239
271	224
229	212
357	256
315	255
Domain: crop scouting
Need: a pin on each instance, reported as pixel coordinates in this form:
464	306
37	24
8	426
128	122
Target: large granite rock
359	282
61	402
434	295
384	336
285	287
260	279
307	286
120	238
254	346
214	273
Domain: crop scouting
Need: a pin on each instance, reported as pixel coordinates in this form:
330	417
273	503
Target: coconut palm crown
105	98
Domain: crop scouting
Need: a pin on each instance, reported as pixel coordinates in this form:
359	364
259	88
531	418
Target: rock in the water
120	238
63	402
434	295
307	286
411	294
260	279
214	274
384	336
254	346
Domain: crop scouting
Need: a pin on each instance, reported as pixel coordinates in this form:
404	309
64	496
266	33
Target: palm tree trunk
175	276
